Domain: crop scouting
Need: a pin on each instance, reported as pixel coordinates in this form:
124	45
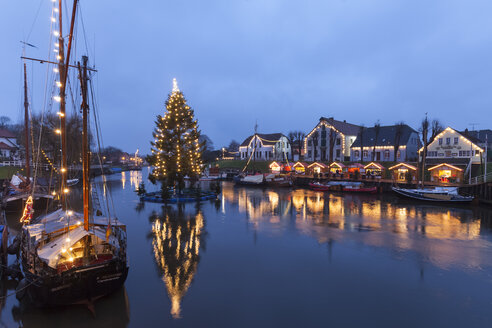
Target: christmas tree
176	151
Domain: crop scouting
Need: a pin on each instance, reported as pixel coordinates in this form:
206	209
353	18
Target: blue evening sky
282	63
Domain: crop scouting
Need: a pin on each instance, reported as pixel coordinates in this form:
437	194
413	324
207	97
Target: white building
9	149
451	146
330	134
265	147
382	148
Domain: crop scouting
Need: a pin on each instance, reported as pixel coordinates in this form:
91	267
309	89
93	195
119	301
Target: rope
16	291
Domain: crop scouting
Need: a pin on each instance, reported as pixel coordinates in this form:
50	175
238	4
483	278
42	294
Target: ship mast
85	139
63	69
26	126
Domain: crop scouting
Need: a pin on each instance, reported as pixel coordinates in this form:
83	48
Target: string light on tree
176	152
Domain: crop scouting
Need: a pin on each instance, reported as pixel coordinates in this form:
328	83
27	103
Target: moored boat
436	194
69	257
360	189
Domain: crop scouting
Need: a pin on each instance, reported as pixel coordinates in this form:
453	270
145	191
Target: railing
481	179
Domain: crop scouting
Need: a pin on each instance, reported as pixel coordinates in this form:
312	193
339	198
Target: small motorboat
360	188
333	185
250	180
278	180
436	194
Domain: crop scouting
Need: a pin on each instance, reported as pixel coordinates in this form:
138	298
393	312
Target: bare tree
4	122
361	136
398	133
424	130
315	144
377	129
436	128
297	139
233	146
333	137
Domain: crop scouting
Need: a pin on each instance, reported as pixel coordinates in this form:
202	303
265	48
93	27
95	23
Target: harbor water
287	258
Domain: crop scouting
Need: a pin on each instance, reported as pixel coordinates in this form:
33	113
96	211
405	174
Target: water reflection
444	236
177	237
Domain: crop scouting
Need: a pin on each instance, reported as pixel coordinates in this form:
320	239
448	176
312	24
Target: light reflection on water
393	223
263	256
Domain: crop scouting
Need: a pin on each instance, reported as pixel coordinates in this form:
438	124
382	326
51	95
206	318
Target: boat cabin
403	172
374	170
300	167
446	173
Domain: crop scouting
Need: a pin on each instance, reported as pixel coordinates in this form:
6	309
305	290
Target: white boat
436	194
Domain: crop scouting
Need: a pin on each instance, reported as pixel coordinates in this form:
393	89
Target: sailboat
22	188
70	257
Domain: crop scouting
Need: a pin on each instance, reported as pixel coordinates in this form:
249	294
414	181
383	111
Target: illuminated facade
264	147
382	148
450	146
330	135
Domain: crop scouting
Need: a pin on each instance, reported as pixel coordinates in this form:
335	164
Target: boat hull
75	286
371	190
417	196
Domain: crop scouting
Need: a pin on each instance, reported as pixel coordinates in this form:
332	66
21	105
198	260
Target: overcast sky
282	63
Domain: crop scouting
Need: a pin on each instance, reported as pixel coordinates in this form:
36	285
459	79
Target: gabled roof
6	134
3	145
340	165
404	165
374	164
477	136
266	139
304	164
342	126
386	136
446	165
322	165
471	139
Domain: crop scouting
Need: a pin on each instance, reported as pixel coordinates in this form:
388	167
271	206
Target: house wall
408	152
266	152
8	153
450	144
318	149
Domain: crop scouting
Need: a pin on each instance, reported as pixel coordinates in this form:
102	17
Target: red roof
3	145
6	134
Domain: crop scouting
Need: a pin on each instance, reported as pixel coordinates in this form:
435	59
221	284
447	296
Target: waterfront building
8	145
266	147
453	147
330	135
379	145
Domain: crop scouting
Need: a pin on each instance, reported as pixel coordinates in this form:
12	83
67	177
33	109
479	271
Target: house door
378	156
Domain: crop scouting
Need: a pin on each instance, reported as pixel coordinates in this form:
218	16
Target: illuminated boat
69	257
437	194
